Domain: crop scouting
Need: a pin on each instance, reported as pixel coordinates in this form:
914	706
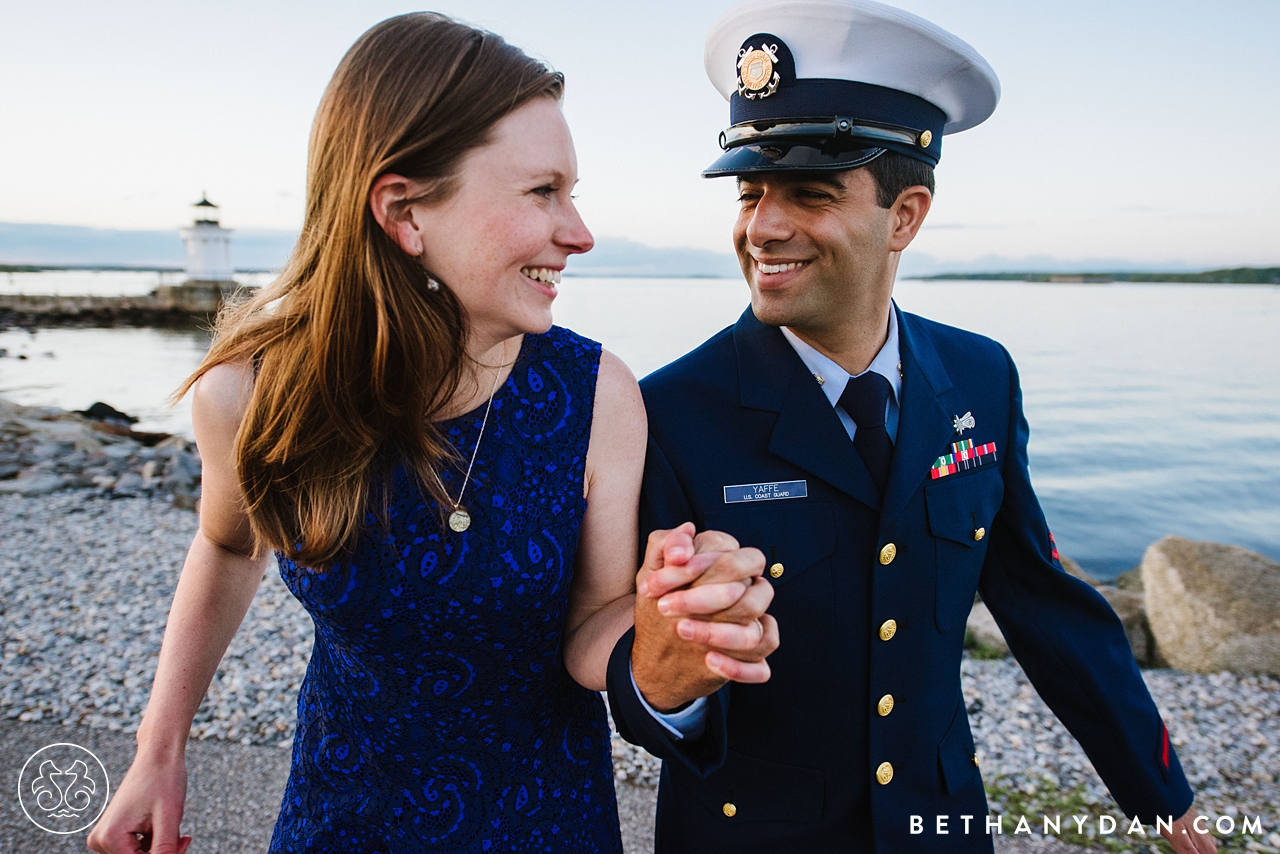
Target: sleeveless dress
436	713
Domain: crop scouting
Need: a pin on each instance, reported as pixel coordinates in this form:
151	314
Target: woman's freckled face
500	241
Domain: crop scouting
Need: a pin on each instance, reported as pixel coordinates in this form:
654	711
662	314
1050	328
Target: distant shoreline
1234	276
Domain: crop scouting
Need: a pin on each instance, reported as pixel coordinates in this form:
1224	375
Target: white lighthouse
208	246
210	276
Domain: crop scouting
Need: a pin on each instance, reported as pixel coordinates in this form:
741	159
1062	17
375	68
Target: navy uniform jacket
791	765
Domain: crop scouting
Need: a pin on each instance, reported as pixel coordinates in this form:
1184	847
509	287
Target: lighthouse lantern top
205	211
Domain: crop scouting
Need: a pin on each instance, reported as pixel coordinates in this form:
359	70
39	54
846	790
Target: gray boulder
1131	580
1074	569
1213	607
31	482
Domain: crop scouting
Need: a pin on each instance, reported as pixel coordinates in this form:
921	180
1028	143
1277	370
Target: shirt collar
832	378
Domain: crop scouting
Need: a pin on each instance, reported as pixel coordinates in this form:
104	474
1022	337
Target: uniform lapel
808	433
923	426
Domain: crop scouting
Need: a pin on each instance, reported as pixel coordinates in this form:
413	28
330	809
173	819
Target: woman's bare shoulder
617	393
219	400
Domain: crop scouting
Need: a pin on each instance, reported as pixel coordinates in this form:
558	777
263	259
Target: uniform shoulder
957	346
706	367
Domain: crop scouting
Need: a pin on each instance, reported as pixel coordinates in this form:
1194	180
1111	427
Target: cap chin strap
837	128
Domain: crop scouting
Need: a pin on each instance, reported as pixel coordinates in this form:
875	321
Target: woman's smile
544	279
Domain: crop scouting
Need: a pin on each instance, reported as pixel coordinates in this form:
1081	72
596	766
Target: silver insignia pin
963	422
820	378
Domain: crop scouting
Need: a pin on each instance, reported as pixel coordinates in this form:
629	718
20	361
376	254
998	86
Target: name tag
766	491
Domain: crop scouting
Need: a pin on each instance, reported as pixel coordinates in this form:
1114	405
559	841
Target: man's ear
907	215
389	200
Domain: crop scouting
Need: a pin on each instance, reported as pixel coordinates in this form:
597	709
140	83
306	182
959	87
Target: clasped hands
700	617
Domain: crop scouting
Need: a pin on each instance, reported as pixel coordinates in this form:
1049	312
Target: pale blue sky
1134	130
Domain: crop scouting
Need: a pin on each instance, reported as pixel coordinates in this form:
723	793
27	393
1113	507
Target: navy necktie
866	399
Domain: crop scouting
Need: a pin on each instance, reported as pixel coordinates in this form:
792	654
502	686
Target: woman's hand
146	812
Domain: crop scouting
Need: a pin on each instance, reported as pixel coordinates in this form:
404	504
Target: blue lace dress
436	714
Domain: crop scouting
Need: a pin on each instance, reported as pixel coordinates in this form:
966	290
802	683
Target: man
878	460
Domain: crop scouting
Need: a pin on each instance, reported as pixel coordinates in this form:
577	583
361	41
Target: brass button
885	706
888	553
884	773
979	533
888	629
975	760
776	570
730	810
926	137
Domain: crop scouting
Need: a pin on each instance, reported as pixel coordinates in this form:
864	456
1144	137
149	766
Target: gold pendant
459	520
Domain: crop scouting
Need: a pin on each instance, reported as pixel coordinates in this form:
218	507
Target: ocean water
1154	409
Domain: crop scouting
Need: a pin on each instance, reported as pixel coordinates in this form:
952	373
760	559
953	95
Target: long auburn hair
354	355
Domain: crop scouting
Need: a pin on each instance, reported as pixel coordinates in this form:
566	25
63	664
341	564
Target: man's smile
779	267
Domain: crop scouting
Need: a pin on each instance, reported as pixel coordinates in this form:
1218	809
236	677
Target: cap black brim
783	157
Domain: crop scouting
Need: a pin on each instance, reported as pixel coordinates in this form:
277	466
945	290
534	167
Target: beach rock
1074	569
129	484
982	628
104	412
120	450
1213	607
75	480
31	482
1131	580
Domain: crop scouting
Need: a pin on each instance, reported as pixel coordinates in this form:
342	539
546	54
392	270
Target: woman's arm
704	601
218	582
602	597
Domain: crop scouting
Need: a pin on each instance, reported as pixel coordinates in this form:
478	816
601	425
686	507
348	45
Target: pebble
1225	726
85	586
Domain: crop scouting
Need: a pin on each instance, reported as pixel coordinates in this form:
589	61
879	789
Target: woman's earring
432	284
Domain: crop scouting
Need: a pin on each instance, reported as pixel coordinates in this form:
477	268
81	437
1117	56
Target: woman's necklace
459	519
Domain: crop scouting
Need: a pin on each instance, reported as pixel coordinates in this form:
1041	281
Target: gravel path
85	584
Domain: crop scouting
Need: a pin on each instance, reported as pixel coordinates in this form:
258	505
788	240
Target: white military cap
833	84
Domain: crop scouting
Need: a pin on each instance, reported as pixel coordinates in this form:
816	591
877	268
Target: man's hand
1186	838
700	617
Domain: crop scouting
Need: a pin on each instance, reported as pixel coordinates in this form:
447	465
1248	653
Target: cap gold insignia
926	137
756	72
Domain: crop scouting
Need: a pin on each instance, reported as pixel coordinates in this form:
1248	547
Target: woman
395	420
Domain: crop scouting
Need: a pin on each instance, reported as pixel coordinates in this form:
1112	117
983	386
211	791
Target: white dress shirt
833	378
690	721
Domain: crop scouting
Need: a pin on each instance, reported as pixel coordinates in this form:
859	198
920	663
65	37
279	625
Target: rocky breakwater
45	449
167	305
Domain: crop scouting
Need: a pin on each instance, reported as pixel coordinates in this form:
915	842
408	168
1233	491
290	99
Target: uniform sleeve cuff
689	722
